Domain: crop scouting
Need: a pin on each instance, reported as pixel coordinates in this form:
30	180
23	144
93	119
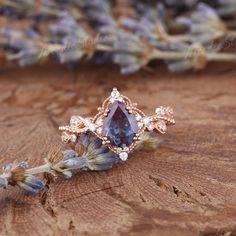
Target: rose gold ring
119	124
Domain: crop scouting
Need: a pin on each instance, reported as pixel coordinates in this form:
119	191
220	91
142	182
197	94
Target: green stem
39	169
185	55
104	48
221	57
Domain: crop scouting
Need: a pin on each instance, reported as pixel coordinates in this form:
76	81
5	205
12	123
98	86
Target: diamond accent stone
73	138
99	130
75	121
115	96
150	127
123	156
119	126
65	137
92	127
115	93
140	124
99	122
160	110
146	120
161	126
138	117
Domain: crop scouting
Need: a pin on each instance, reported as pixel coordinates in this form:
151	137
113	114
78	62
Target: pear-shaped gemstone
120	127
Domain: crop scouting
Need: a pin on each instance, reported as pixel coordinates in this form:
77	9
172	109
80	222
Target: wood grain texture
186	187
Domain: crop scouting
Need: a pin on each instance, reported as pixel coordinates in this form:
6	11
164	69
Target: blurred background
184	35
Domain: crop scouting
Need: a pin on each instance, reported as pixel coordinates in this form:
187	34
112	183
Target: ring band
119	124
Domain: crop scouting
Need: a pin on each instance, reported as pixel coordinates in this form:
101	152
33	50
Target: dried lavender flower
88	154
71	162
16	174
98	156
98	12
203	24
227	8
36	10
23	44
3	182
130	52
181	3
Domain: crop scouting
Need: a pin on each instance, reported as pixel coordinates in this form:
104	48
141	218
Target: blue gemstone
119	126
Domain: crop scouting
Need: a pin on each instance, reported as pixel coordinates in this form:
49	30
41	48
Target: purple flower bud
3	182
96	156
16	174
34	182
75	163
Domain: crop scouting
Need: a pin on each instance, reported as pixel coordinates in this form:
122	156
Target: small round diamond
170	110
99	122
75	121
92	127
150	127
160	110
112	100
123	156
115	93
138	117
140	124
99	130
161	126
65	137
73	138
146	120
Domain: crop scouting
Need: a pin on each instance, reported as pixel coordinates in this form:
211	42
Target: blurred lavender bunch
26	46
181	3
74	40
21	45
203	25
227	8
130	52
150	23
98	12
38	10
130	34
88	153
15	9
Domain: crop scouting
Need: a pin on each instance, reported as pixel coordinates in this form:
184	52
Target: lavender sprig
203	25
88	153
42	10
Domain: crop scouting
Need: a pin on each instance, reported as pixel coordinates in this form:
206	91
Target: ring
119	124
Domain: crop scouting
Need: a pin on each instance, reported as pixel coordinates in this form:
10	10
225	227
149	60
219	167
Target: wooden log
186	187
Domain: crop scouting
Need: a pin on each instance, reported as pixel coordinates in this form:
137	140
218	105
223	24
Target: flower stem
103	48
39	169
187	55
221	57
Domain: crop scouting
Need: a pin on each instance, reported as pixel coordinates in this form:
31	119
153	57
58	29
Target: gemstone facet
119	126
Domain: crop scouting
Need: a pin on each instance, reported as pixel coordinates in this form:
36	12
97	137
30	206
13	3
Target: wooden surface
186	187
